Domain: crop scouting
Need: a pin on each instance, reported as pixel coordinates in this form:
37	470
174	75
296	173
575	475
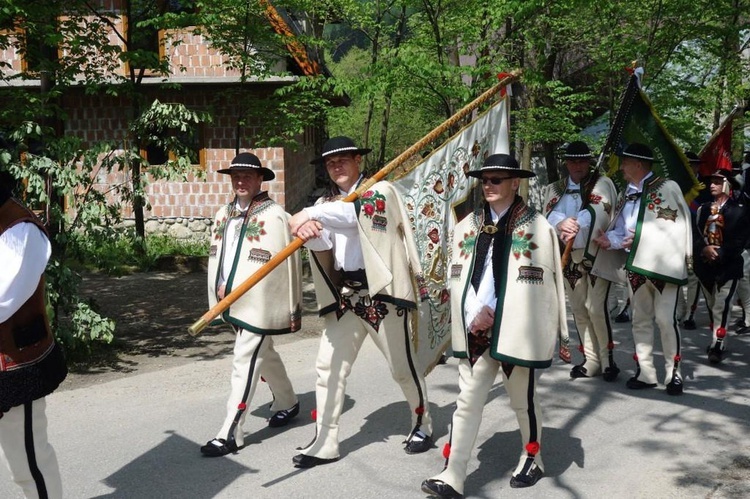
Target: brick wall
101	117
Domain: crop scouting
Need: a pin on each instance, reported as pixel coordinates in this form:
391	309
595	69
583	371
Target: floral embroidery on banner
373	202
467	245
522	244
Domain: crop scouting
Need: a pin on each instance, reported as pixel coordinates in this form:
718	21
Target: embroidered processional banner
438	194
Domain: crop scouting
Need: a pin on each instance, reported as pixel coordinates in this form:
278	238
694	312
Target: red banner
717	154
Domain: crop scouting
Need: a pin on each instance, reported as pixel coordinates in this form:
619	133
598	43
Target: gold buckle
489	229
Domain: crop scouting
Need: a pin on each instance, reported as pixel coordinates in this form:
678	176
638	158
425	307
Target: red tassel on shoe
611	345
677	359
721	333
241	406
447	450
635	357
580	348
532	448
419	410
314	414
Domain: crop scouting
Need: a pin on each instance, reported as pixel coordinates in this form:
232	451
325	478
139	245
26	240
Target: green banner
636	121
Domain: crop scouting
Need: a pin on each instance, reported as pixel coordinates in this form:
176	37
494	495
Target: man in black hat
578	207
31	362
365	265
498	280
649	244
719	237
246	234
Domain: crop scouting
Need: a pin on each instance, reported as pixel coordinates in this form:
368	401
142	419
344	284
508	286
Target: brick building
203	76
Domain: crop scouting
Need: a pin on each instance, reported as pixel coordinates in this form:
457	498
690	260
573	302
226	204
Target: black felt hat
339	145
638	151
578	150
693	158
501	163
245	161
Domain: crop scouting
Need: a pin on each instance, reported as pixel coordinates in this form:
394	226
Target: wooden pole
274	262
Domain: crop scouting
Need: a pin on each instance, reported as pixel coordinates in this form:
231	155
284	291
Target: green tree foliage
573	55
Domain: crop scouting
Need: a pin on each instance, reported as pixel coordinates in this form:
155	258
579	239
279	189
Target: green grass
122	253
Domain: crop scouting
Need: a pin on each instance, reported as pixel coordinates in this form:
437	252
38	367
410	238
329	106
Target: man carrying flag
578	207
363	259
651	236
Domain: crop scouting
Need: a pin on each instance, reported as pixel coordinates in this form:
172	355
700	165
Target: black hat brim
359	151
515	172
267	173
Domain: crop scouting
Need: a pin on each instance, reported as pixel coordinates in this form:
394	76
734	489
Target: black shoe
743	330
610	374
688	324
305	461
715	356
528	479
636	384
578	372
282	418
739	323
418	443
674	387
440	489
219	447
623	316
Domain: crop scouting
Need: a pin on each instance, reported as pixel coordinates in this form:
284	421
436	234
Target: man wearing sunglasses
578	206
719	236
505	267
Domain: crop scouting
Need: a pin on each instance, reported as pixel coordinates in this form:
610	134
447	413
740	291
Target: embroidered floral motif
551	204
219	229
373	202
572	274
467	245
522	244
371	311
638	280
254	229
654	199
594	198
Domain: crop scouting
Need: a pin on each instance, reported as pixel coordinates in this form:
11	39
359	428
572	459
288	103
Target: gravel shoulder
153	311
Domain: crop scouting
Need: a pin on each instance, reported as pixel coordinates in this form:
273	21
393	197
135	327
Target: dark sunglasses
493	180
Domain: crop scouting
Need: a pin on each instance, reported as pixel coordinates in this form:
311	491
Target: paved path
138	437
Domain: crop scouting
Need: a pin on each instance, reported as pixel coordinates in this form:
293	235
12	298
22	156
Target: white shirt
340	232
232	241
24	252
570	206
485	294
628	216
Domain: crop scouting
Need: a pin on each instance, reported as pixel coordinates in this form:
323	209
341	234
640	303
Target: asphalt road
138	436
